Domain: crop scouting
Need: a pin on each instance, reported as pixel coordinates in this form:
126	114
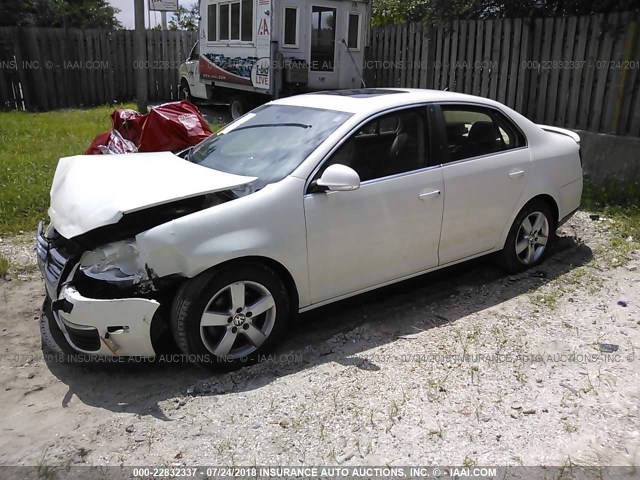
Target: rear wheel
529	239
228	317
237	107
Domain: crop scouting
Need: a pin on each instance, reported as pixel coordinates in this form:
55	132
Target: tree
14	13
184	19
59	13
436	11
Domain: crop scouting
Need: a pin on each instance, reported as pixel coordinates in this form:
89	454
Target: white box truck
250	51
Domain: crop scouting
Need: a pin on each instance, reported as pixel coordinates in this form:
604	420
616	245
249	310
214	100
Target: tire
52	339
184	92
237	107
224	297
527	246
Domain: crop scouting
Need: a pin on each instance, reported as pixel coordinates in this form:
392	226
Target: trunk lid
561	131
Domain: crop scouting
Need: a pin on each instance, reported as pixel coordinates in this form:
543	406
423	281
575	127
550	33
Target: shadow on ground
415	305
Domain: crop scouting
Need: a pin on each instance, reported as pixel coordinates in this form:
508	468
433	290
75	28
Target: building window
353	35
290	27
212	23
247	21
224	22
235	20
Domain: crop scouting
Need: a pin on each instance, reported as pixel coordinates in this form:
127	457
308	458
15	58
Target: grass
30	146
620	203
626	228
610	192
4	265
547	299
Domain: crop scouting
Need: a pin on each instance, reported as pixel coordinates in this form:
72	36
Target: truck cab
190	85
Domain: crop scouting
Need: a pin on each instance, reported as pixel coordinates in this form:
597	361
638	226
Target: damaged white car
304	201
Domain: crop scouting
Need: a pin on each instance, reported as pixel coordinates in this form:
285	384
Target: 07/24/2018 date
580	64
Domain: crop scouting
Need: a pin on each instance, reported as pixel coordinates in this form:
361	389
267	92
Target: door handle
425	195
516	173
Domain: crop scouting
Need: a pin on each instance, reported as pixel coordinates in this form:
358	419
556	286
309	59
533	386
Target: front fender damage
110	315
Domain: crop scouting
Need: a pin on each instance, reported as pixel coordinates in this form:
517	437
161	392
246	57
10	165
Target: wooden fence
47	68
576	72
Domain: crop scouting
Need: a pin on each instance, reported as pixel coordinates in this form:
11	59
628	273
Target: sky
126	14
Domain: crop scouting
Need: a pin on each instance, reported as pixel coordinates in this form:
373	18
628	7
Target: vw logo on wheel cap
239	319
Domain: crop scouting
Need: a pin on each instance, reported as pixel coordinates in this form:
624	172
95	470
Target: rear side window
474	131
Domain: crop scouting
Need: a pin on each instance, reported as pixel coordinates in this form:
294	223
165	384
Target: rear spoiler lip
562	131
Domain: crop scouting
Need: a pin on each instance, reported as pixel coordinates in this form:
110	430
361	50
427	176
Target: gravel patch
461	367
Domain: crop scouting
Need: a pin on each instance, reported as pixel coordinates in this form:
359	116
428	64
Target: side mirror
339	178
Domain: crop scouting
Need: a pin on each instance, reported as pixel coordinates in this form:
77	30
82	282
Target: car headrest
409	124
455	130
484	132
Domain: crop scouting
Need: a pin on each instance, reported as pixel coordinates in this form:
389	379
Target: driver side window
195	52
387	145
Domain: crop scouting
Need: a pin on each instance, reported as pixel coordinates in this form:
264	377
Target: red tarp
169	127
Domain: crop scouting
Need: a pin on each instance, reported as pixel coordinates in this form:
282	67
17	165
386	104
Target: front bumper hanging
103	327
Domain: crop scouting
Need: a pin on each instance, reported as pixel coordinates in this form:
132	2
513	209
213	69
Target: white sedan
302	202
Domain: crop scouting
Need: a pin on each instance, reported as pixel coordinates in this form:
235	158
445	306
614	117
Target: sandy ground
466	366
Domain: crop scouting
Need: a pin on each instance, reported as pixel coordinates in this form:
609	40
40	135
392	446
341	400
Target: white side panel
387	229
556	162
480	196
268	223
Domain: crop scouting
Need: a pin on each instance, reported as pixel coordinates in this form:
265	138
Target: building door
324	58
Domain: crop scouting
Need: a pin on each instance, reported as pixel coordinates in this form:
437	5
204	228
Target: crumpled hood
90	191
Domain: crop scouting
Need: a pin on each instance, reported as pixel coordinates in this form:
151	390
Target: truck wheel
237	107
184	92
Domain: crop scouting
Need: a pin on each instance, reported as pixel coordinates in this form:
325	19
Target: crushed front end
96	308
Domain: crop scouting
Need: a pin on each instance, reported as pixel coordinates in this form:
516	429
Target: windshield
268	143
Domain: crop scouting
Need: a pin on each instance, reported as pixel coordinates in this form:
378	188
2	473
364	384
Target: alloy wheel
532	238
238	320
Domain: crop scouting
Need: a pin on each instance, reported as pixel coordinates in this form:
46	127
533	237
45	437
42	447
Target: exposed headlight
114	262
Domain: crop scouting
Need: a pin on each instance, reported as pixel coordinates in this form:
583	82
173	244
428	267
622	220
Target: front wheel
228	317
530	237
52	339
184	92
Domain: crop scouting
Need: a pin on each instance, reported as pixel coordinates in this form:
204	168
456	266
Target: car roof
368	100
